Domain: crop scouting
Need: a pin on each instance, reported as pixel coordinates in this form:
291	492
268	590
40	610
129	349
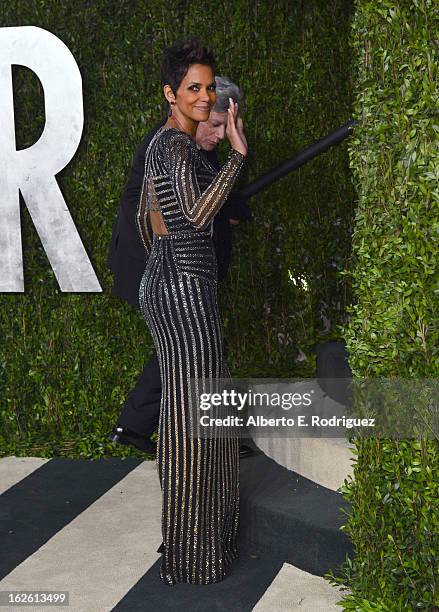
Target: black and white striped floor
92	528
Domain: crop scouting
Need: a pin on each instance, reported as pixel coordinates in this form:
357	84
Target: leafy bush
393	330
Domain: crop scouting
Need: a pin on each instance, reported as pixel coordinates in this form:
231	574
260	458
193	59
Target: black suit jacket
127	256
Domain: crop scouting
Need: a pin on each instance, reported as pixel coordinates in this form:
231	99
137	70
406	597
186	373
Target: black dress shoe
123	435
245	451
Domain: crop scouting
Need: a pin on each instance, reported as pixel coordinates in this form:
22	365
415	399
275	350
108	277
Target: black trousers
141	410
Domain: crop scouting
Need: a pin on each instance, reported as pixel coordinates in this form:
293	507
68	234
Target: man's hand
234	221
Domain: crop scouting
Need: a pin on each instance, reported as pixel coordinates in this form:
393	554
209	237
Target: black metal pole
298	160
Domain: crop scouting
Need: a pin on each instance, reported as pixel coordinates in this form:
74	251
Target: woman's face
196	95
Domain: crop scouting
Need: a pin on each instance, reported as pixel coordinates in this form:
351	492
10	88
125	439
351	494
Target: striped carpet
92	528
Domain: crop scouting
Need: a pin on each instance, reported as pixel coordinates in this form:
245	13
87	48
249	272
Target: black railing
298	160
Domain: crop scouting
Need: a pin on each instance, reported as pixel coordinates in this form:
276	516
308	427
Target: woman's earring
170	109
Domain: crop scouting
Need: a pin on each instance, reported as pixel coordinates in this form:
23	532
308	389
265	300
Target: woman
181	194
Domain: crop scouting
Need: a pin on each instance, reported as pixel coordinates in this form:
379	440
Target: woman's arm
199	208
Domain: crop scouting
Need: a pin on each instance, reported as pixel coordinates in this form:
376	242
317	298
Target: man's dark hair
177	59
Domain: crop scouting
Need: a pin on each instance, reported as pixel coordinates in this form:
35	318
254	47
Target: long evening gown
199	477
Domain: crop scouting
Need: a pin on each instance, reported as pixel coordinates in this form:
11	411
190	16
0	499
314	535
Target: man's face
210	132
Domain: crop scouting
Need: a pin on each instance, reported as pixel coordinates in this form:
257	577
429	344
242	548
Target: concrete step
315	455
291	517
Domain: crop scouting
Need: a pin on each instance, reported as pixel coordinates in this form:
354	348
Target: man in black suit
127	260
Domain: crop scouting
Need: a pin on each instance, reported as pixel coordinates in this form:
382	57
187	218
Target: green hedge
68	360
393	330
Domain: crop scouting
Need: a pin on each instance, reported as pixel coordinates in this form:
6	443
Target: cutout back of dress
153	210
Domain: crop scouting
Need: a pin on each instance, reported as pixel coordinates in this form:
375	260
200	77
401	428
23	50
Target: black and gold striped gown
199	477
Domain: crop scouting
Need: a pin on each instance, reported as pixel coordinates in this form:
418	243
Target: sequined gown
199	477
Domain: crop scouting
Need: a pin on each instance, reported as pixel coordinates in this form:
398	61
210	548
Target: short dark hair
177	59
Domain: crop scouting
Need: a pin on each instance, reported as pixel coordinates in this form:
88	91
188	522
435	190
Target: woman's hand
235	129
